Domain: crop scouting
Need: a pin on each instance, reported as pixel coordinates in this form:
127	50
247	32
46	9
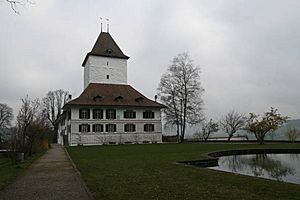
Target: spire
107	47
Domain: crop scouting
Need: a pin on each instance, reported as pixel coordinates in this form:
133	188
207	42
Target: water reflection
281	167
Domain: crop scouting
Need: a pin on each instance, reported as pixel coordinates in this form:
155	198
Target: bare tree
53	104
14	4
261	126
232	122
181	91
6	116
38	133
27	114
292	134
208	128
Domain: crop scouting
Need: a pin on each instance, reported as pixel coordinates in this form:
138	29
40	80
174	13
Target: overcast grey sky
248	51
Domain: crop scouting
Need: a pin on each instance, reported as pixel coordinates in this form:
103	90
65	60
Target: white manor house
109	111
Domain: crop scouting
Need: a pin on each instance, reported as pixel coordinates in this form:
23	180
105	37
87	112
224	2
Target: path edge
79	175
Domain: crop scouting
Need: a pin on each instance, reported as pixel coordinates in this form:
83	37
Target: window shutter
88	111
80	110
80	128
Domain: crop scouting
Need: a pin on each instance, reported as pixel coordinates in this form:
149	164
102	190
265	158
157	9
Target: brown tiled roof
113	95
105	46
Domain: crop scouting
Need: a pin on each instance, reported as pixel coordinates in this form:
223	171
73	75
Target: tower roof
107	47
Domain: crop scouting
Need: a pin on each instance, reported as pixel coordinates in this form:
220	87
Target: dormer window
109	51
118	98
97	98
139	99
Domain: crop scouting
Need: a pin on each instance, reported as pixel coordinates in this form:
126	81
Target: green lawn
150	172
10	171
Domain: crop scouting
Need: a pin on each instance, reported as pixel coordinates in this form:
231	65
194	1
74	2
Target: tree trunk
229	137
55	137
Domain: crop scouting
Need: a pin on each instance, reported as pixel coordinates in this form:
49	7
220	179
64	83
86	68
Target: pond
281	167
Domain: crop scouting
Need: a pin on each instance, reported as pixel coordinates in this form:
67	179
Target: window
107	76
148	114
84	128
129	128
129	114
107	63
97	128
110	114
97	114
149	127
84	113
111	128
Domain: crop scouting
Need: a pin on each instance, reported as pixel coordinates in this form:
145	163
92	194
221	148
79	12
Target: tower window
107	76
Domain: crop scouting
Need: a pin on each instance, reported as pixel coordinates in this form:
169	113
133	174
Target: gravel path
50	177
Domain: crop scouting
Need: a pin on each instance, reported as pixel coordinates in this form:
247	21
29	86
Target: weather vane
107	25
101	23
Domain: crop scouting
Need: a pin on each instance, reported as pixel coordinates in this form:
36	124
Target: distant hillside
279	134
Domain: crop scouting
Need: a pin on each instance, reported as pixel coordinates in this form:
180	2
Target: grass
9	171
150	172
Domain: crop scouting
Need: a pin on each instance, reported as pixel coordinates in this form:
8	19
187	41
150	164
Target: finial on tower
101	23
107	25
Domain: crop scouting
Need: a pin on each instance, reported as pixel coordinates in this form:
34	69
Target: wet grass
151	172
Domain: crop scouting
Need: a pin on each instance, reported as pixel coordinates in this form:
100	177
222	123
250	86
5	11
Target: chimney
70	97
155	97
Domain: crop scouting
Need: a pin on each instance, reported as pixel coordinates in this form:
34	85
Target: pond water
281	167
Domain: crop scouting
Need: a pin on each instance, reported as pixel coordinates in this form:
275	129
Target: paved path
50	177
